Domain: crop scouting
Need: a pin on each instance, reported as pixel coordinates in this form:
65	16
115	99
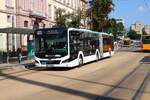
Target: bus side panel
146	46
101	45
86	42
108	46
146	42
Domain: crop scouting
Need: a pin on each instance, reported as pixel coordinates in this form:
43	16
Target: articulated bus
146	42
70	47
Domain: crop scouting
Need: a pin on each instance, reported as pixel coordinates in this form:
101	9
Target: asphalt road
126	75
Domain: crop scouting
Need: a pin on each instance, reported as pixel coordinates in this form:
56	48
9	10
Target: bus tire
80	61
97	57
110	53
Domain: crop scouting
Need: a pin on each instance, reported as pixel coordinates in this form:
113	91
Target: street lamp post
7	59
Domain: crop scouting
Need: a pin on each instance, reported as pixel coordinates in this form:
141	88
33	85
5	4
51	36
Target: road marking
125	78
142	87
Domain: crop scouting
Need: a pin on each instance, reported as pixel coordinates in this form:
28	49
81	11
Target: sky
132	11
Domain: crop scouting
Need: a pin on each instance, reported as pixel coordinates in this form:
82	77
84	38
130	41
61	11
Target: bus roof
86	30
50	28
78	29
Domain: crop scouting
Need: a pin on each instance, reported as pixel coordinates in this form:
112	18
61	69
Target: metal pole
7	49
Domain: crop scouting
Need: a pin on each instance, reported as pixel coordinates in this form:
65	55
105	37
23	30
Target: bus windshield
51	43
146	40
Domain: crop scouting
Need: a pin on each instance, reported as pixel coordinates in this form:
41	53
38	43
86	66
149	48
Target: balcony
37	14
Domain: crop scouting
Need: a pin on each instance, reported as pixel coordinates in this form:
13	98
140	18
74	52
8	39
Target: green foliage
75	18
120	27
100	11
64	19
133	35
61	18
113	27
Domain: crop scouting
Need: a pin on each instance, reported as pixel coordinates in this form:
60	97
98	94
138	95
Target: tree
61	18
133	35
64	19
75	19
120	27
99	15
113	27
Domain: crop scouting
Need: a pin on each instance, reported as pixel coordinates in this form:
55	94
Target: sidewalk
9	66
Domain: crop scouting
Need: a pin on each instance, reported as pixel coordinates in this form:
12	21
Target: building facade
146	29
31	14
7	19
137	27
67	5
120	21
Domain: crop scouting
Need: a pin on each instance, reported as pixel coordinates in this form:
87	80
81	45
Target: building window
44	25
64	1
42	7
8	3
49	10
55	12
68	2
25	23
9	19
32	5
23	4
50	25
71	3
75	4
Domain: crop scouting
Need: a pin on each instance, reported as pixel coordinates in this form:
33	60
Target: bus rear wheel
80	61
110	53
97	57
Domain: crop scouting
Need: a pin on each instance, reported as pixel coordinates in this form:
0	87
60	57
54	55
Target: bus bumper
51	65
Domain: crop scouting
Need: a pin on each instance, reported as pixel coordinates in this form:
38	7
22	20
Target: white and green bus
69	47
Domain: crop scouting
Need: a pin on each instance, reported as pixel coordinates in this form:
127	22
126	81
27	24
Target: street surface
126	75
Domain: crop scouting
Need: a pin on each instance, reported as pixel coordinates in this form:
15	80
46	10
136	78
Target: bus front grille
51	62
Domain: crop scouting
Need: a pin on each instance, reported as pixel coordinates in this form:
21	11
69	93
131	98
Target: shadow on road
31	66
67	90
50	69
71	91
140	51
145	60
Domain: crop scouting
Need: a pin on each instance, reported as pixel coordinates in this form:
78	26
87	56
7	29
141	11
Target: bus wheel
97	57
80	61
110	53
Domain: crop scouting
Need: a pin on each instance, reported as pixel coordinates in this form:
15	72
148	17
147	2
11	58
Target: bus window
107	43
